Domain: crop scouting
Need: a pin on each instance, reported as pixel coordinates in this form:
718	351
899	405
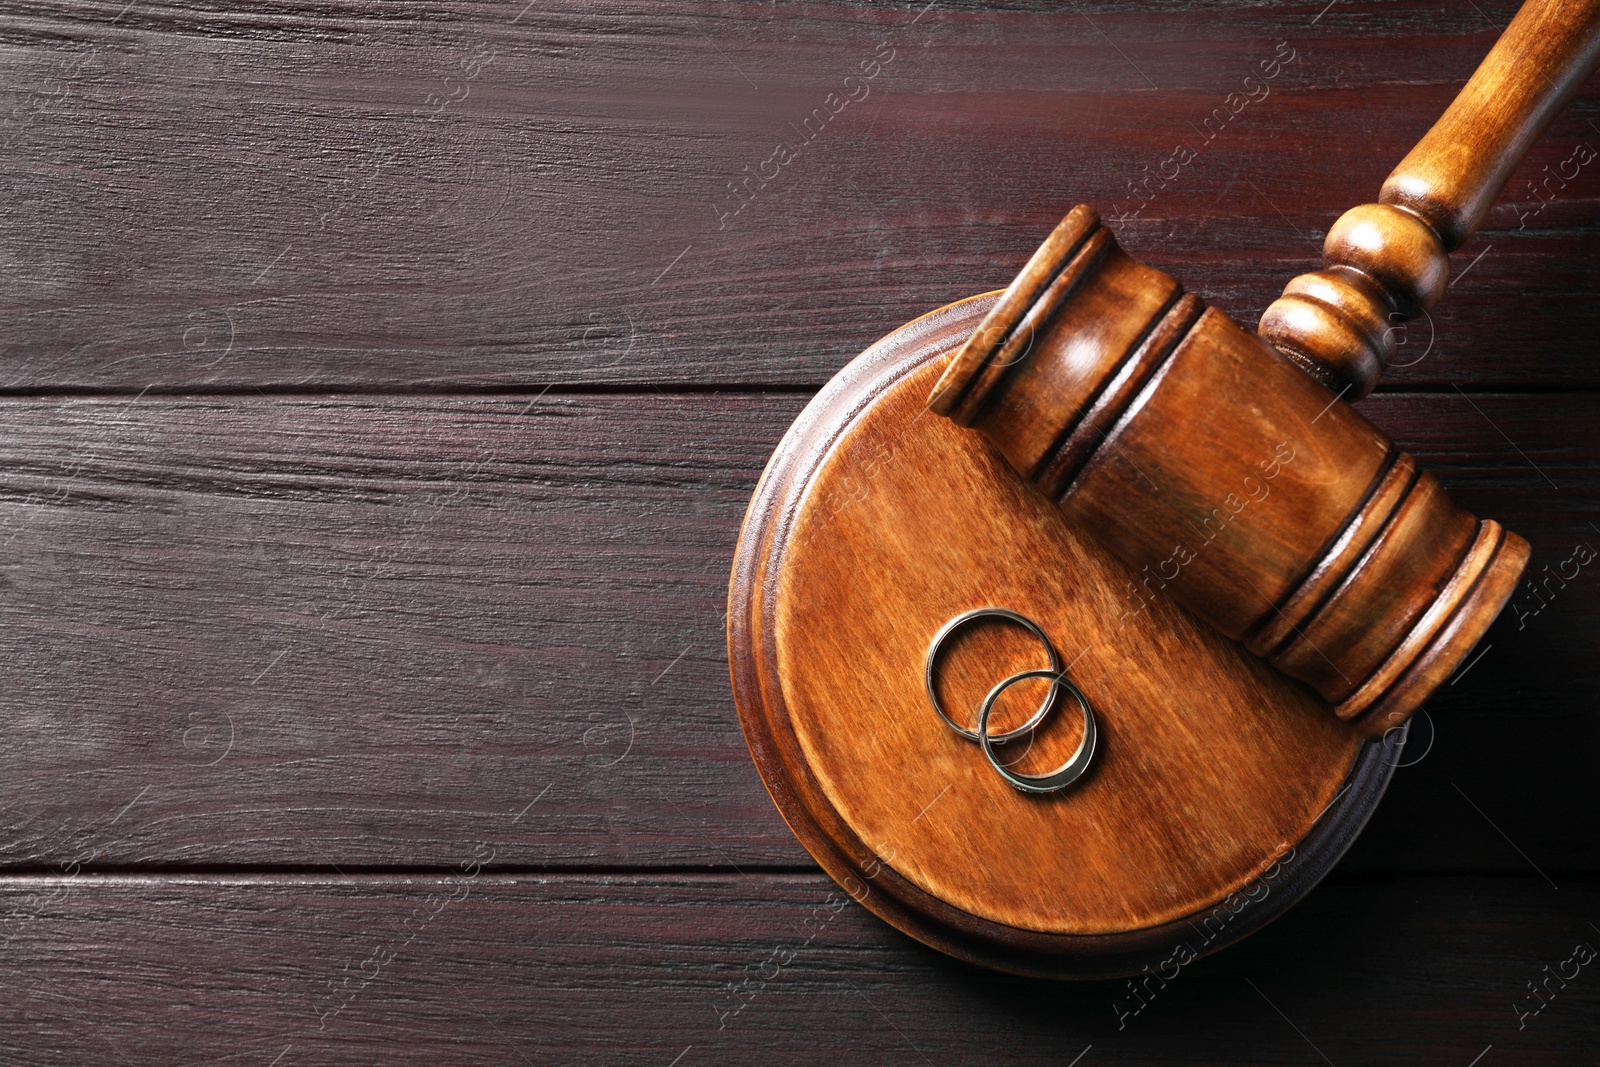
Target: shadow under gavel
1231	473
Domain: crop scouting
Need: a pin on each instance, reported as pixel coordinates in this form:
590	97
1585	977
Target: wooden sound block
1222	790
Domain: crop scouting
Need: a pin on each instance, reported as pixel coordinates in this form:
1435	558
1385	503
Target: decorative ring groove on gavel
1228	478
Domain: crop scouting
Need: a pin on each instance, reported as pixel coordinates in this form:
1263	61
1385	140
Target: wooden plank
357	631
662	969
379	604
204	197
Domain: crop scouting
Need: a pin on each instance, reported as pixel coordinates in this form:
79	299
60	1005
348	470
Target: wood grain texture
407	641
199	195
1218	785
640	969
1547	53
419	613
206	197
1228	477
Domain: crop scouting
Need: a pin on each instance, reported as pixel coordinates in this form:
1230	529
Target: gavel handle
1387	262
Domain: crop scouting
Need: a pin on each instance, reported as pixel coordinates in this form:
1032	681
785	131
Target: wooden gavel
1232	474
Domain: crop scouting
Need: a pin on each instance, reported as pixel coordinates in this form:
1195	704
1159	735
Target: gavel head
1229	479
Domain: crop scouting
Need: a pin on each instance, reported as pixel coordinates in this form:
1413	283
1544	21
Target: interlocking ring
1010	616
1069	771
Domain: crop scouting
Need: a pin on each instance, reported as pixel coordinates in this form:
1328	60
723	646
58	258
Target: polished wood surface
366	511
1221	784
1388	262
1228	479
1457	170
1154	422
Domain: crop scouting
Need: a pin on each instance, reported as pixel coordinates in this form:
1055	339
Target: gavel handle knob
1388	262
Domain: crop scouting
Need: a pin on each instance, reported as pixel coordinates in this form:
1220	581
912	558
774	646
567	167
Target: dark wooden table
383	386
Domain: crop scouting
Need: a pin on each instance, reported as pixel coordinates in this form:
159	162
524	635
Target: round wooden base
1222	792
